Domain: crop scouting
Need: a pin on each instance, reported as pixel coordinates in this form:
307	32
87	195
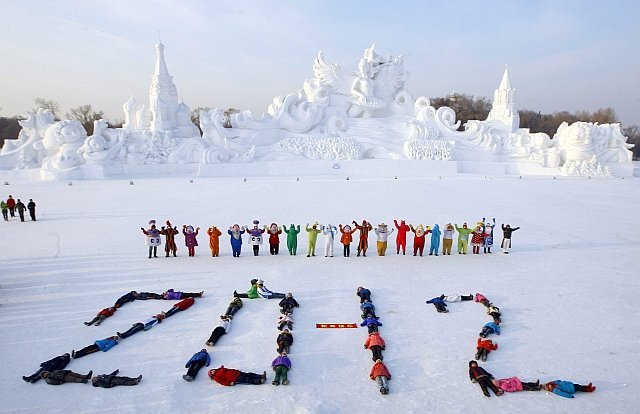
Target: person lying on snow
284	341
112	380
101	316
489	328
197	361
484	347
368	309
483	378
230	377
288	303
57	363
363	293
61	376
380	373
224	326
567	388
376	344
514	384
281	365
439	304
172	295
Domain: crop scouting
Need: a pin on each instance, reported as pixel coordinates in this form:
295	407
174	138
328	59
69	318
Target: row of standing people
11	206
374	342
481	236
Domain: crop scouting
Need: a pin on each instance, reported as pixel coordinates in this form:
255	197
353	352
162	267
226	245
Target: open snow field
569	293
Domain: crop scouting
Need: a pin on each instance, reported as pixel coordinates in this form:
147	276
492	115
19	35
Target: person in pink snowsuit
514	384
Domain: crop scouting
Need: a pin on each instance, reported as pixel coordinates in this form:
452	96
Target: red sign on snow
335	325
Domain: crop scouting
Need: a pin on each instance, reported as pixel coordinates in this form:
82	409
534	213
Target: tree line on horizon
466	107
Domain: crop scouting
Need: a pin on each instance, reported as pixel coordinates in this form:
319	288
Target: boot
591	388
285	382
187	378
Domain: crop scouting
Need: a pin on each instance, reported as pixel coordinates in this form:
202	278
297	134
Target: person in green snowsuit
292	238
252	293
463	238
312	233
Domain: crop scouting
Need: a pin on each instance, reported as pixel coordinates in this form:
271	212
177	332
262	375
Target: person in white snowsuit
329	231
266	293
383	232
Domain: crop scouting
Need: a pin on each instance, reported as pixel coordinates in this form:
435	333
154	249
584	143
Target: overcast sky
562	55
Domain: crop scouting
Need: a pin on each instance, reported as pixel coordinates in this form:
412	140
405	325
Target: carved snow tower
163	95
504	114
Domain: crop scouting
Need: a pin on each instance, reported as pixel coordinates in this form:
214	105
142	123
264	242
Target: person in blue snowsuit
371	324
363	293
100	345
439	303
368	309
197	361
236	233
489	328
567	388
435	240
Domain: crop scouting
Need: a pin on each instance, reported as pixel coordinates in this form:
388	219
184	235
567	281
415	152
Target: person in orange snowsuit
214	240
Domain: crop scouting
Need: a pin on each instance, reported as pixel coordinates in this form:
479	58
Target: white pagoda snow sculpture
338	117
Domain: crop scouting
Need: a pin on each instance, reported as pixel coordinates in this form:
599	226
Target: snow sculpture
337	115
61	144
105	146
22	153
582	146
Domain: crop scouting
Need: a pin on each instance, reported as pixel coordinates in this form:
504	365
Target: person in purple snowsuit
190	238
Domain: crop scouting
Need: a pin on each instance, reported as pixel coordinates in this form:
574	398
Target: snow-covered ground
569	293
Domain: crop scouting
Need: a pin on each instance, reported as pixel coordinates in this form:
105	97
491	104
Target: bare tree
85	115
49	104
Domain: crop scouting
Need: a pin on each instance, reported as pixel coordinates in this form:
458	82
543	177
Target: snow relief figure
61	143
583	145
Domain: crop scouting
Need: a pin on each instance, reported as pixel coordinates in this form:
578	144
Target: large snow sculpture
338	115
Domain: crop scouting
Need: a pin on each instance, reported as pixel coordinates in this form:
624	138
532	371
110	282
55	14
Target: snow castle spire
163	95
504	114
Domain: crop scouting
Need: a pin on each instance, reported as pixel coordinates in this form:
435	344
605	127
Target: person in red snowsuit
484	347
418	239
401	237
230	377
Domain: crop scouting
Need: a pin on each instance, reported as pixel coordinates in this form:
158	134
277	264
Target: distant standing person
506	237
152	238
32	209
11	204
169	234
5	210
21	208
